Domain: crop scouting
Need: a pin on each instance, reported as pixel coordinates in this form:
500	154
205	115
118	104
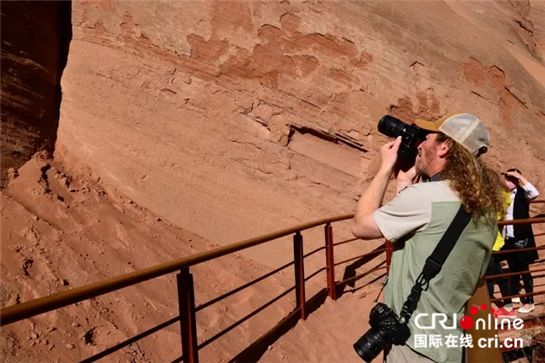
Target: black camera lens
411	135
371	344
391	126
377	338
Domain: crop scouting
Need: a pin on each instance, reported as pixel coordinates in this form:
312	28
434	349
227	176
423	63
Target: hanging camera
386	329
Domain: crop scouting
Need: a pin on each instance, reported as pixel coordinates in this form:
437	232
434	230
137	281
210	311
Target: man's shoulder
433	191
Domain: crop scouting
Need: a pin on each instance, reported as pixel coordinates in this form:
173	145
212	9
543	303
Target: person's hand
404	177
516	176
388	155
513	174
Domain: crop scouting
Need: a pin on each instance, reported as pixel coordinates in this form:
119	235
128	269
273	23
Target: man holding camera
415	221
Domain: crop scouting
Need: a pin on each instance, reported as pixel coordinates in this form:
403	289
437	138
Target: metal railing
186	291
509	274
520	273
28	309
481	296
185	284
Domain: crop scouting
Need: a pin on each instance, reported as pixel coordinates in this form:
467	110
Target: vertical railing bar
330	262
299	273
188	323
389	251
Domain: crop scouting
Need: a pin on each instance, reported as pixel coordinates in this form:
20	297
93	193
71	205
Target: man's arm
530	192
363	224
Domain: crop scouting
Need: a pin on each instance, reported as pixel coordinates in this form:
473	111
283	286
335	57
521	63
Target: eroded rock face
233	119
35	40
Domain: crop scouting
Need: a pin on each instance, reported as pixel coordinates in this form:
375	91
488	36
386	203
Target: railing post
188	323
389	251
330	262
476	354
299	273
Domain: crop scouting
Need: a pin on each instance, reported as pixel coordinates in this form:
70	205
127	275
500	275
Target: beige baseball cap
464	128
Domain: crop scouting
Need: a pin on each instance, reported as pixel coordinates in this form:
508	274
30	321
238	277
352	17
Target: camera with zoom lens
386	329
411	135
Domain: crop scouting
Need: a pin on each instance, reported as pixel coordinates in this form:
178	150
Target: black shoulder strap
435	262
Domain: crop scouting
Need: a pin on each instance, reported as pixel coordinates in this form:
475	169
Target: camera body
411	135
386	329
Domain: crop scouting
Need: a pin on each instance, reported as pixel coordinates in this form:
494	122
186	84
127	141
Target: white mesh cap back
467	130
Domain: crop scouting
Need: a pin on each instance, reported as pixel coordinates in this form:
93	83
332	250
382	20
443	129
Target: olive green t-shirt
414	221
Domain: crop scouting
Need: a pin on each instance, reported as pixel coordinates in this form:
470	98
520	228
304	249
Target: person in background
495	268
518	237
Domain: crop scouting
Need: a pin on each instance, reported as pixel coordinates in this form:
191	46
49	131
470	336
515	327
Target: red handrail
185	281
31	308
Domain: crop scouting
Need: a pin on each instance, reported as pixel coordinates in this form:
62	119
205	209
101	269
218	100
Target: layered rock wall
35	41
233	119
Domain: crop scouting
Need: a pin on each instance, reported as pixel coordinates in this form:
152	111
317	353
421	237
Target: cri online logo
466	322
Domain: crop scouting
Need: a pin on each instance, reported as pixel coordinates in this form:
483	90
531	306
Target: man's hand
388	156
513	174
363	224
404	178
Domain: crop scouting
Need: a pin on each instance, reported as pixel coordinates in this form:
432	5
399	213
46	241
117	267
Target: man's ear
443	148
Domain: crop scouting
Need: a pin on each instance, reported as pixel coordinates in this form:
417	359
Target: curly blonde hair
480	188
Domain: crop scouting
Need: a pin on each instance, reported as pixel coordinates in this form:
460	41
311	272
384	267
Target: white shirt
530	193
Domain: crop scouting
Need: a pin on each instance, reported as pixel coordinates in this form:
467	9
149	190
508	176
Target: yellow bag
498	244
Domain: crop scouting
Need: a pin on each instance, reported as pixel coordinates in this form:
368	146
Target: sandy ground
62	230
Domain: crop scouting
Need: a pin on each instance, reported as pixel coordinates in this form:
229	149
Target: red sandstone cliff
35	40
229	120
232	119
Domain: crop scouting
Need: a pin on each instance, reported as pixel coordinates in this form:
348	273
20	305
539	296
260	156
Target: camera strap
435	262
382	288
